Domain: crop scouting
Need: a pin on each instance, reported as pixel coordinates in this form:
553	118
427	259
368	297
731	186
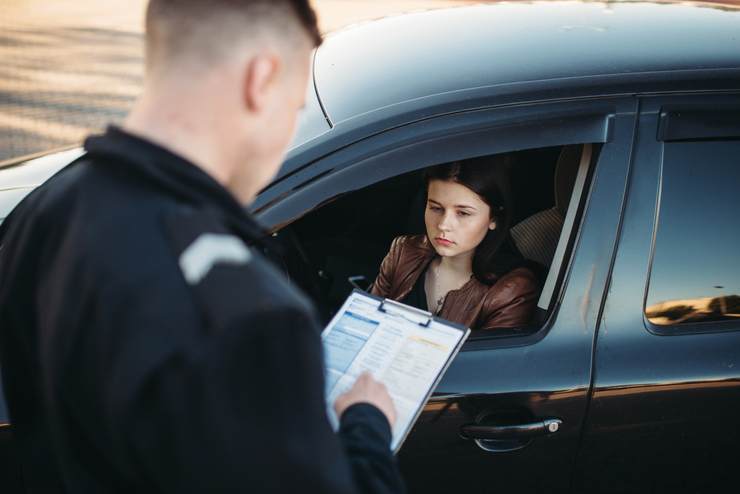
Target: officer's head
235	73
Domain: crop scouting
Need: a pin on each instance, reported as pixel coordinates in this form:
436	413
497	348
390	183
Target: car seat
537	236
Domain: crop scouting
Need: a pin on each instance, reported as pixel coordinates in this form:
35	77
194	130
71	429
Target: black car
623	124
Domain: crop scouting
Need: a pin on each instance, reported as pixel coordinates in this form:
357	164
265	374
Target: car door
666	393
509	411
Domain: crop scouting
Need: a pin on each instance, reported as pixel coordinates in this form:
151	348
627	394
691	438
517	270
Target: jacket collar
173	175
419	245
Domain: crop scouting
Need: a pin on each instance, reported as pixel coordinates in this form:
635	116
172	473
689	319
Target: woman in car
465	268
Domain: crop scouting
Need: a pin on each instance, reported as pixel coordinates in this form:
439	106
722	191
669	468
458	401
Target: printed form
401	346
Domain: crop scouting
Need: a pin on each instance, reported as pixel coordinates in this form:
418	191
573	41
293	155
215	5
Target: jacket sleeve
383	284
366	437
511	302
245	408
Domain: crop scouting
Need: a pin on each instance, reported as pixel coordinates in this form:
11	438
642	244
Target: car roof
382	64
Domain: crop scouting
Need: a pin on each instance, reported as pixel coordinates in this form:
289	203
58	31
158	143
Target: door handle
518	431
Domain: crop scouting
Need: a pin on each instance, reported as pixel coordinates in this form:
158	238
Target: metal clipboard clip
412	314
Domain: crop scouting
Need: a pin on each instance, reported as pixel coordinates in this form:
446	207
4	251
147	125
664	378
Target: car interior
340	246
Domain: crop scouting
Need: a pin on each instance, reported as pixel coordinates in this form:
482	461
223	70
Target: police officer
146	345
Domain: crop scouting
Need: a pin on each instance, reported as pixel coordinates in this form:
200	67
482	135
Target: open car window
335	218
340	245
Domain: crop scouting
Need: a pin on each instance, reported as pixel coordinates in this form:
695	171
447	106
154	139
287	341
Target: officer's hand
367	390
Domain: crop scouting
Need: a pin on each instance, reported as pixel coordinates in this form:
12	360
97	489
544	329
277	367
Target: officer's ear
260	79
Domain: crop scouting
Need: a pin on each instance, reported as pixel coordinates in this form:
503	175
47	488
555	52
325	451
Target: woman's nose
446	223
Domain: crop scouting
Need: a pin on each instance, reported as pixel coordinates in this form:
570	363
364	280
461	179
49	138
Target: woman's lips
443	241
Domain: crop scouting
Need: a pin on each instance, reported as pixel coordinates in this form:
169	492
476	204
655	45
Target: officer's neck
172	128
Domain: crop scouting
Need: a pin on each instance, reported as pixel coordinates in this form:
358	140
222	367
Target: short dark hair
176	28
307	16
489	178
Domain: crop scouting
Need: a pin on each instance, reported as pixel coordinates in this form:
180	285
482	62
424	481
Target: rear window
695	275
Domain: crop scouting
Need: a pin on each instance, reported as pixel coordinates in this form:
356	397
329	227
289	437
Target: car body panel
32	172
674	392
19	178
312	121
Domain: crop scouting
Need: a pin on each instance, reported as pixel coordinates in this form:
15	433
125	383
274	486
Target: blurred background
69	67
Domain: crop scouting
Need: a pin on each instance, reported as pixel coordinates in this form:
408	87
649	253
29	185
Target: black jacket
147	346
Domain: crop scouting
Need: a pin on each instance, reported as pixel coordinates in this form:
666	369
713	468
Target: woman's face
457	219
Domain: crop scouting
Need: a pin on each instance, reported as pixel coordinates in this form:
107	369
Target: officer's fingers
365	389
374	388
364	380
368	386
377	394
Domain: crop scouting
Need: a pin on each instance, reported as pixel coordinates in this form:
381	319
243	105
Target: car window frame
482	132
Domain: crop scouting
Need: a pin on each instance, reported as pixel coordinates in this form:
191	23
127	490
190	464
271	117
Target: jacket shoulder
518	286
515	282
511	301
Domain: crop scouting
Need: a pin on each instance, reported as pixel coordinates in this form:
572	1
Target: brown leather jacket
509	303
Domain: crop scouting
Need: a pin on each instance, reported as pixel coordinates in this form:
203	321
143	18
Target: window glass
695	275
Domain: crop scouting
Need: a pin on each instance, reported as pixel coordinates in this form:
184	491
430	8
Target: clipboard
406	348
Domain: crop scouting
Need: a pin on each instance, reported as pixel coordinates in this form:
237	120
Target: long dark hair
489	178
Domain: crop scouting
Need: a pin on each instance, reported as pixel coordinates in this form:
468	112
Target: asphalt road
70	67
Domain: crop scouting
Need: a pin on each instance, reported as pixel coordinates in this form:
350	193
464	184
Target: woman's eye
463	213
436	209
